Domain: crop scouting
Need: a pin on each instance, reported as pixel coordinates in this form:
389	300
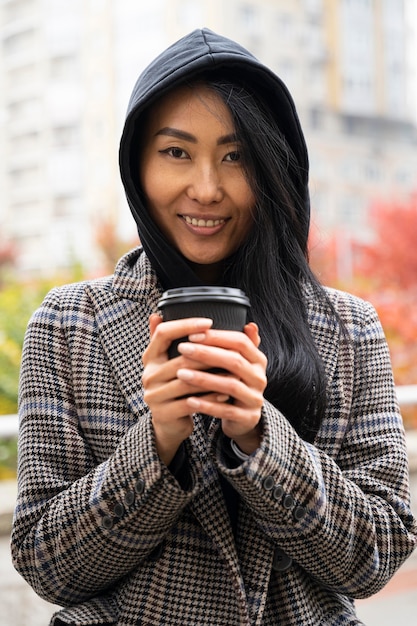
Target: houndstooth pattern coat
104	529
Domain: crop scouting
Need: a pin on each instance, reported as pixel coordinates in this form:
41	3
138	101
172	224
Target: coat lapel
338	364
209	506
121	315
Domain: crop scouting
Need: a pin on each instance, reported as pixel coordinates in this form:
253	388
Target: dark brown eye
177	153
233	156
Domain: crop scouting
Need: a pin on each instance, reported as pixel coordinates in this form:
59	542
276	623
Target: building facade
67	70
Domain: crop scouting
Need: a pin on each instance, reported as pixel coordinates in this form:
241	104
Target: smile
193	221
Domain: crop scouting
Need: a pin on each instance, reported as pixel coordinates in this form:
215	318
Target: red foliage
8	254
392	258
110	244
8	258
385	273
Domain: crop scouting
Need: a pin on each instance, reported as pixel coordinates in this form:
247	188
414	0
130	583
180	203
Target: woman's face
192	174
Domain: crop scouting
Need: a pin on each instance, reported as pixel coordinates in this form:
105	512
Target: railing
406	394
8	426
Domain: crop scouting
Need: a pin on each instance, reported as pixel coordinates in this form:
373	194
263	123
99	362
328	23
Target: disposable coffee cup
226	306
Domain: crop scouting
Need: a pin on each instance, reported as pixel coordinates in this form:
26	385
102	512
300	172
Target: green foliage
18	300
8	458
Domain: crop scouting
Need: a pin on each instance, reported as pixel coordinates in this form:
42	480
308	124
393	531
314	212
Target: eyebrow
182	134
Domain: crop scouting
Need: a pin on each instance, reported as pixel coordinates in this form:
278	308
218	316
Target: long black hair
272	265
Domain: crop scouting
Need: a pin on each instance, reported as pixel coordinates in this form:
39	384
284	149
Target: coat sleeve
80	525
341	511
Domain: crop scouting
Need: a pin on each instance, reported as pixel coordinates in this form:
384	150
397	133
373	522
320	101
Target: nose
205	184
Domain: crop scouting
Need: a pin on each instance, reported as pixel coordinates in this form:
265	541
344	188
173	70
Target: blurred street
395	604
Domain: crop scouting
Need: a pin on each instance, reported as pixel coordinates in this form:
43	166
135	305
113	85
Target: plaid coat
104	529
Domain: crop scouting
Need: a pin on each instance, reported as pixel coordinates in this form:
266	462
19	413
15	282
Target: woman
154	492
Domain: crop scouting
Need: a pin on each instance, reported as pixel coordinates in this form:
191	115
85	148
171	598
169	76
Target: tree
8	255
111	246
384	272
391	259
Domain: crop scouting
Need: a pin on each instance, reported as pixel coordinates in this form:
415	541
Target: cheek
154	189
247	204
148	179
242	192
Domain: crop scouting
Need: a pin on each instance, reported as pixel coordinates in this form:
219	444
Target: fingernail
197	336
185	348
203	322
184	374
222	398
194	403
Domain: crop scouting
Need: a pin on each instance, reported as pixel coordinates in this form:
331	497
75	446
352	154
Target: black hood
199	52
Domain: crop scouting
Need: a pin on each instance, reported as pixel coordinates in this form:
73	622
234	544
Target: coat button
299	512
288	501
269	483
129	498
119	509
140	486
278	492
107	522
281	561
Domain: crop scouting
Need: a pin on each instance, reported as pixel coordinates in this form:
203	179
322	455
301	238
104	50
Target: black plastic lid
183	295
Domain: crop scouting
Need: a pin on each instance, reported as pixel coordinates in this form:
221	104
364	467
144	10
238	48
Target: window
24	143
21	75
372	172
25	108
65	205
25	176
285	26
18	42
189	14
27	210
17	9
65	136
249	20
64	67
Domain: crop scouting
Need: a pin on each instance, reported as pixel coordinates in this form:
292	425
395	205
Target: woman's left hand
239	354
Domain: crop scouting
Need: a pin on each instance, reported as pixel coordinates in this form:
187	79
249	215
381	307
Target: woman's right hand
171	420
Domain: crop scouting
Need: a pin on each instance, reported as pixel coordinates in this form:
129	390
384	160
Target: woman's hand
163	391
238	353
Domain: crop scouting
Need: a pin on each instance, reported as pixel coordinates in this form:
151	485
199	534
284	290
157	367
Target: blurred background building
67	70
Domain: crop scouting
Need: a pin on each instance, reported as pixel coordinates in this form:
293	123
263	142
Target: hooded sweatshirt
202	51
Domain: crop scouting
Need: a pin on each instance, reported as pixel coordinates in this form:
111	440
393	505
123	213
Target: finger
169	394
171	410
162	334
252	373
244	395
157	373
154	320
231	340
237	420
252	331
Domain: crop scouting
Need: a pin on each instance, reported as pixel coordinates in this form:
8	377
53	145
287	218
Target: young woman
152	491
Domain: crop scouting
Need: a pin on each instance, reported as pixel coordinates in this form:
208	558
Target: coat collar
135	279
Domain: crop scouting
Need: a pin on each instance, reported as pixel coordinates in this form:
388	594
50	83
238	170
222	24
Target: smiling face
192	174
